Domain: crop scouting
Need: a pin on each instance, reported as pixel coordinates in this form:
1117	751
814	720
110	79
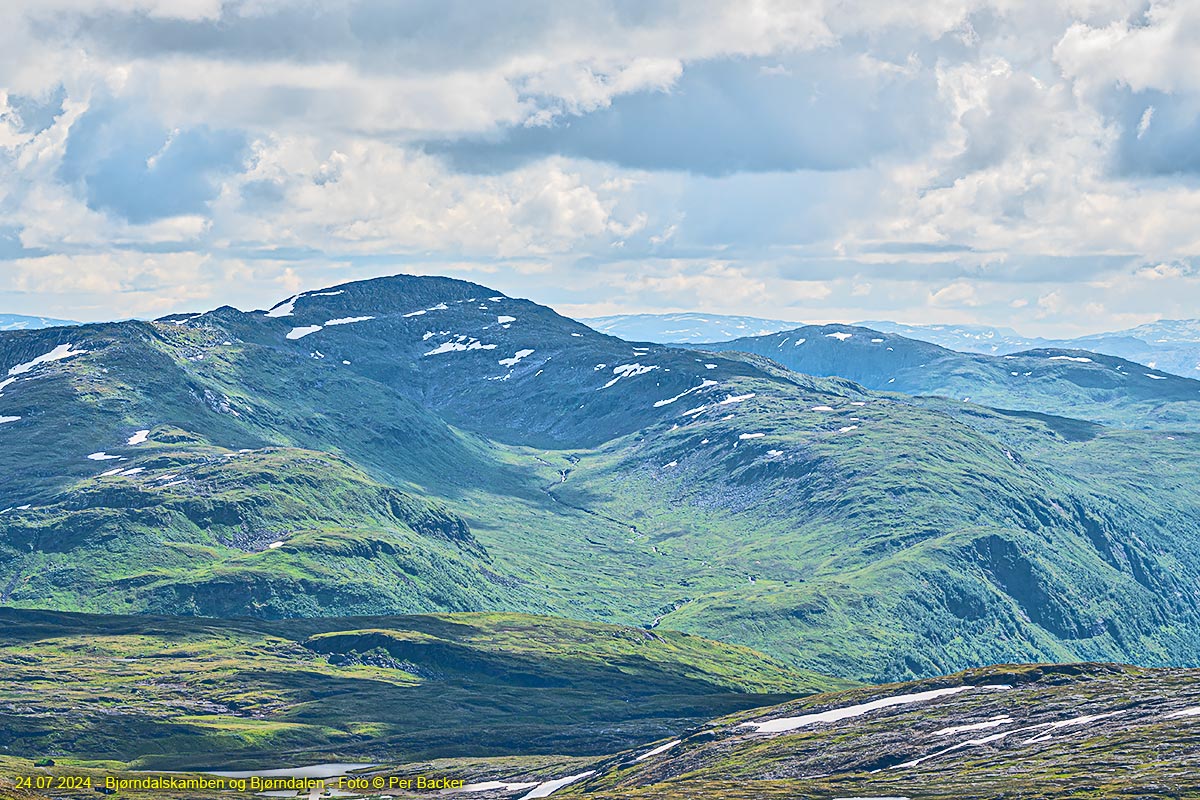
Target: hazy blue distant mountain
19	322
1077	383
684	327
1171	345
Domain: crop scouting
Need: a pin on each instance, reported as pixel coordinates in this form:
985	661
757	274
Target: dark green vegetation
1072	383
464	451
190	693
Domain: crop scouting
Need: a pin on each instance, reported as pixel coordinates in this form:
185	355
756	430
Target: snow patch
714	366
847	429
450	347
1187	712
1067	723
629	371
109	472
549	787
504	320
138	437
841	337
274	545
978	726
101	456
132	471
300	333
6	420
414	313
799	342
347	320
834	715
1078	359
752	436
705	384
1156	377
517	356
822	408
735	398
489	786
774	452
57	354
662	748
285	308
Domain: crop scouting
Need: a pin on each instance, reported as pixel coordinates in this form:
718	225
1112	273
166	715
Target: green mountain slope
451	449
1075	383
179	693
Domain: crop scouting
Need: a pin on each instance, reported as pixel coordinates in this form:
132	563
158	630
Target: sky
1026	164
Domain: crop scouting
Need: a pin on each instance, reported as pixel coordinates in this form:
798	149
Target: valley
317	534
212	465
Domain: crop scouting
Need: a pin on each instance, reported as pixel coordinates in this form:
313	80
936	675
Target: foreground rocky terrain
1034	731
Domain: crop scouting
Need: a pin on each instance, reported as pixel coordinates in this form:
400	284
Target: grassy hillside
179	693
443	448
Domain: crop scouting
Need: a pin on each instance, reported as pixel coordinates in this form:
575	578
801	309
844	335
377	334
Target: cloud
959	293
127	165
834	111
950	158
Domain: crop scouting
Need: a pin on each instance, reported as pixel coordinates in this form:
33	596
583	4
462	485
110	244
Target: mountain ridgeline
416	445
1073	383
1170	345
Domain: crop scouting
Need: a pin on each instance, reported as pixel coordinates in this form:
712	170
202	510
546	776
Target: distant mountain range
1075	383
1170	345
685	327
19	322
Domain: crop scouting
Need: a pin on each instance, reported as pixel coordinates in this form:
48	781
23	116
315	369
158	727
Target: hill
171	693
1047	731
1075	383
416	445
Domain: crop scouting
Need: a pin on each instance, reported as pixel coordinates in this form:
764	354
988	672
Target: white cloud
1013	170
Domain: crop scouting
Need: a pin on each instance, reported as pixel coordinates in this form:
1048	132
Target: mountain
684	327
420	445
189	693
1074	383
18	322
1169	345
